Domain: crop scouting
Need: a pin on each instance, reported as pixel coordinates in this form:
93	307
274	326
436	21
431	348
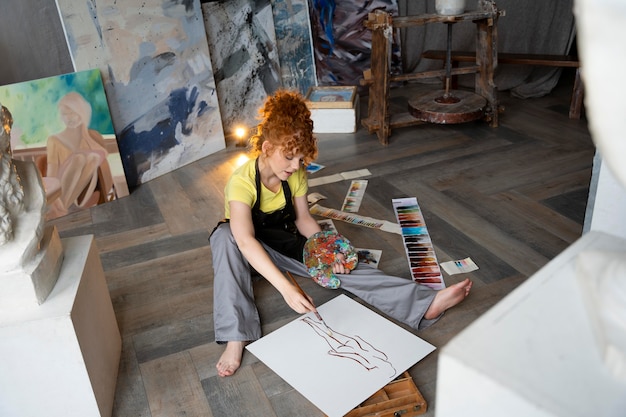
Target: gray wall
32	43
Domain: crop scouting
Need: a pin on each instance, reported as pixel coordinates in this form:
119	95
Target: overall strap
277	229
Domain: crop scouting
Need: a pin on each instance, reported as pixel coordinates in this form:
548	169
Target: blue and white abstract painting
244	57
158	77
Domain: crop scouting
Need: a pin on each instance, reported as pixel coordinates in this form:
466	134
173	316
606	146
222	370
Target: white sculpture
11	191
30	254
603	275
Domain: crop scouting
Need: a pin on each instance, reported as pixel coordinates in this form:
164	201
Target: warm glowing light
242	159
240	132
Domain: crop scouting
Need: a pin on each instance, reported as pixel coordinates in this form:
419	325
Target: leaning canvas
63	125
157	74
241	38
342	43
295	46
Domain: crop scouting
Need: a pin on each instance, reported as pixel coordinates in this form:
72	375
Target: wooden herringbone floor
511	198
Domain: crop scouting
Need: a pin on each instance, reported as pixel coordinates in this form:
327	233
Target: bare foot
448	297
231	358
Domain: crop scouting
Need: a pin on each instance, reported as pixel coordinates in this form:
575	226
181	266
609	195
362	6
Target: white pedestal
27	286
534	353
61	358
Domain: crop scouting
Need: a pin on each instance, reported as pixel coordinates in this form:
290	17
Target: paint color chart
419	248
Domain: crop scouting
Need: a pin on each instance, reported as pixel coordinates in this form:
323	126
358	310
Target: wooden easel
379	78
398	398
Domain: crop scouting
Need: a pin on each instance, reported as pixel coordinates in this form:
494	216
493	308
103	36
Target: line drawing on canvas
351	347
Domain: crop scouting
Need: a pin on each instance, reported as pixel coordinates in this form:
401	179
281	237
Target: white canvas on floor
338	372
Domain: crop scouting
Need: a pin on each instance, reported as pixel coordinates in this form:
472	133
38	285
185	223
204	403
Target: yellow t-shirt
241	187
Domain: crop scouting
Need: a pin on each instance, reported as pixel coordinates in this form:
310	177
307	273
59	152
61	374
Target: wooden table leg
378	117
487	60
576	105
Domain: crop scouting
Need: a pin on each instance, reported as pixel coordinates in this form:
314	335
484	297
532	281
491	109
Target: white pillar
61	358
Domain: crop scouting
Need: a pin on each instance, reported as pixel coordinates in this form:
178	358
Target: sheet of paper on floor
330	371
327	224
459	267
369	256
348	175
314	167
313	198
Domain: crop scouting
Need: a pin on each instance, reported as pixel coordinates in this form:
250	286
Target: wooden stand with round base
448	107
424	109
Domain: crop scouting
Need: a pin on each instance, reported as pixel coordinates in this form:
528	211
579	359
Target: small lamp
240	134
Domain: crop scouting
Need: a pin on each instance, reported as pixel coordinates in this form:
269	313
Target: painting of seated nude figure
63	125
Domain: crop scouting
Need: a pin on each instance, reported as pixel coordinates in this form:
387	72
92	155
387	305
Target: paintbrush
317	314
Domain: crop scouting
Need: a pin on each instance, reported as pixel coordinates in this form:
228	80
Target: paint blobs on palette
419	248
320	255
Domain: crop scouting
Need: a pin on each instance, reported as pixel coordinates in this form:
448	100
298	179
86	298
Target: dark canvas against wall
244	56
341	41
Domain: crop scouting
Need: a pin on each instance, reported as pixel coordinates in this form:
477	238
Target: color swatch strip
352	202
419	248
354	219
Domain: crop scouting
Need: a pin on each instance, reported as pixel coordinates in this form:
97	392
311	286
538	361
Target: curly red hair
286	123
